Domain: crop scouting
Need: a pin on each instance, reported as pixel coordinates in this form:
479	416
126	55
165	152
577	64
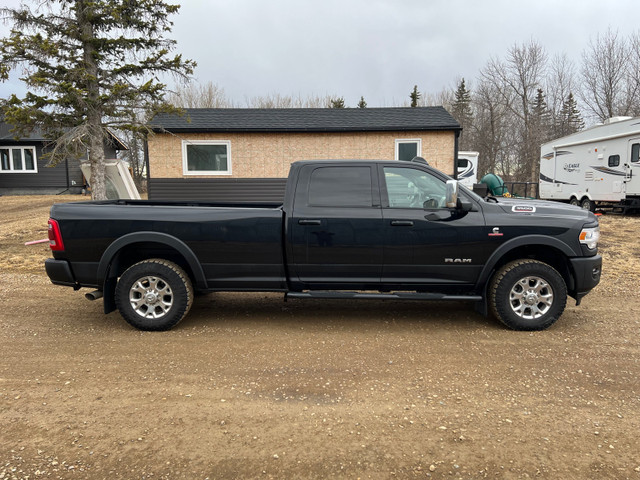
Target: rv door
632	168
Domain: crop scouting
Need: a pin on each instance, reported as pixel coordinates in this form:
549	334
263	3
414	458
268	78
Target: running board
382	296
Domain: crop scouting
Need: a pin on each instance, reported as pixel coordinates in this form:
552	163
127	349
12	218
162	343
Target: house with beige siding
244	154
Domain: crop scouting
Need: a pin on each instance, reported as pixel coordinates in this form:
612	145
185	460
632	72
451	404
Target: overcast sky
378	49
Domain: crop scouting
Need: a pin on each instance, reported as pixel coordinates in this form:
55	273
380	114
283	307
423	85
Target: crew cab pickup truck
347	229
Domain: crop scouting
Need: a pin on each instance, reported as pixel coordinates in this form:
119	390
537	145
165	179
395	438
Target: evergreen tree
540	118
462	111
570	117
88	65
337	103
362	103
414	96
540	127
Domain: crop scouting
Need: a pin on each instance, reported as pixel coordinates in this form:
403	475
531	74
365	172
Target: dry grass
620	250
24	218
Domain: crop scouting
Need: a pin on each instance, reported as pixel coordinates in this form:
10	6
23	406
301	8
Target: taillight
55	237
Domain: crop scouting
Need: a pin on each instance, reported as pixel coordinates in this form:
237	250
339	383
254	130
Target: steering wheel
431	203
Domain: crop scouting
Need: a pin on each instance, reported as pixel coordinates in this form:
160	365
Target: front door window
411	188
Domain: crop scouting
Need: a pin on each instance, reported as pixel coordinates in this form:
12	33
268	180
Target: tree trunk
96	159
94	106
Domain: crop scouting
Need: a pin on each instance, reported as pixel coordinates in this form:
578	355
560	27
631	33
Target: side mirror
451	198
464	206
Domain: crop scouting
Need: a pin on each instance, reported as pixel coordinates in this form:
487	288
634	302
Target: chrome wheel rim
531	297
151	297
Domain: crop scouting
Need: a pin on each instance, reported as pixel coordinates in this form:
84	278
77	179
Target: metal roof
305	120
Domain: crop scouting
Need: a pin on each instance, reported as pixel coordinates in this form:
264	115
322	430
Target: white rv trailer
468	168
600	165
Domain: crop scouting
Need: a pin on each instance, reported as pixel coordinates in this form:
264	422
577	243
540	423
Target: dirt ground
250	387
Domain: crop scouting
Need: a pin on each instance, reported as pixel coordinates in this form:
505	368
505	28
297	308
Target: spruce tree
337	103
88	65
570	117
414	96
540	118
462	111
362	103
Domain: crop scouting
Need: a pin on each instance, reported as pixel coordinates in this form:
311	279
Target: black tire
154	294
574	201
527	295
588	204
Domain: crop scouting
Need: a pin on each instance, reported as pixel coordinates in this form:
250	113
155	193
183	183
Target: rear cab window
350	186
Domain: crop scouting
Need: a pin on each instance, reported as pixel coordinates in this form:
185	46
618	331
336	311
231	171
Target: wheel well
543	253
136	252
132	254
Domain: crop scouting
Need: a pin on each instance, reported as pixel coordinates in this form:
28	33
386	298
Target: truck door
425	242
334	232
633	168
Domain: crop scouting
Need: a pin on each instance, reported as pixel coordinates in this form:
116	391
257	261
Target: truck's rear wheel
527	295
574	201
154	294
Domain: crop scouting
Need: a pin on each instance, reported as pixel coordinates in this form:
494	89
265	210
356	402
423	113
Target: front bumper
59	272
586	274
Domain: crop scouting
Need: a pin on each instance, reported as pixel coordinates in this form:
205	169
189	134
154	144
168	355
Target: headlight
590	237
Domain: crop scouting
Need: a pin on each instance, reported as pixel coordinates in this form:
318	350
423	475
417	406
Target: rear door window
341	187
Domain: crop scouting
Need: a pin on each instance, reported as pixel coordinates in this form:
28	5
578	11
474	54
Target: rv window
614	160
463	163
635	152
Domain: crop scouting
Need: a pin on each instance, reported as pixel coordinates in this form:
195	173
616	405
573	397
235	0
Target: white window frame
408	140
20	147
185	165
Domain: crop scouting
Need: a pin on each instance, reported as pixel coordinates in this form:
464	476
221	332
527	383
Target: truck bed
238	245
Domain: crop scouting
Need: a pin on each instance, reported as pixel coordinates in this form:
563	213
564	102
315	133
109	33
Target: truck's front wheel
154	294
527	295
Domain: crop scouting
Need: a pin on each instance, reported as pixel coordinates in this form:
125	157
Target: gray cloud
375	48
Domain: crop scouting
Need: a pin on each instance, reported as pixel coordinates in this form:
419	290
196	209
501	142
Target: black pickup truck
346	229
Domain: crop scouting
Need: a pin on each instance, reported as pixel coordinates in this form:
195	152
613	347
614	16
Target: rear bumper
587	271
59	272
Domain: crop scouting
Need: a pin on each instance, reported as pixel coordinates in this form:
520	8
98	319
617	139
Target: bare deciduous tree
608	89
198	95
516	81
492	136
443	98
276	100
560	83
634	73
